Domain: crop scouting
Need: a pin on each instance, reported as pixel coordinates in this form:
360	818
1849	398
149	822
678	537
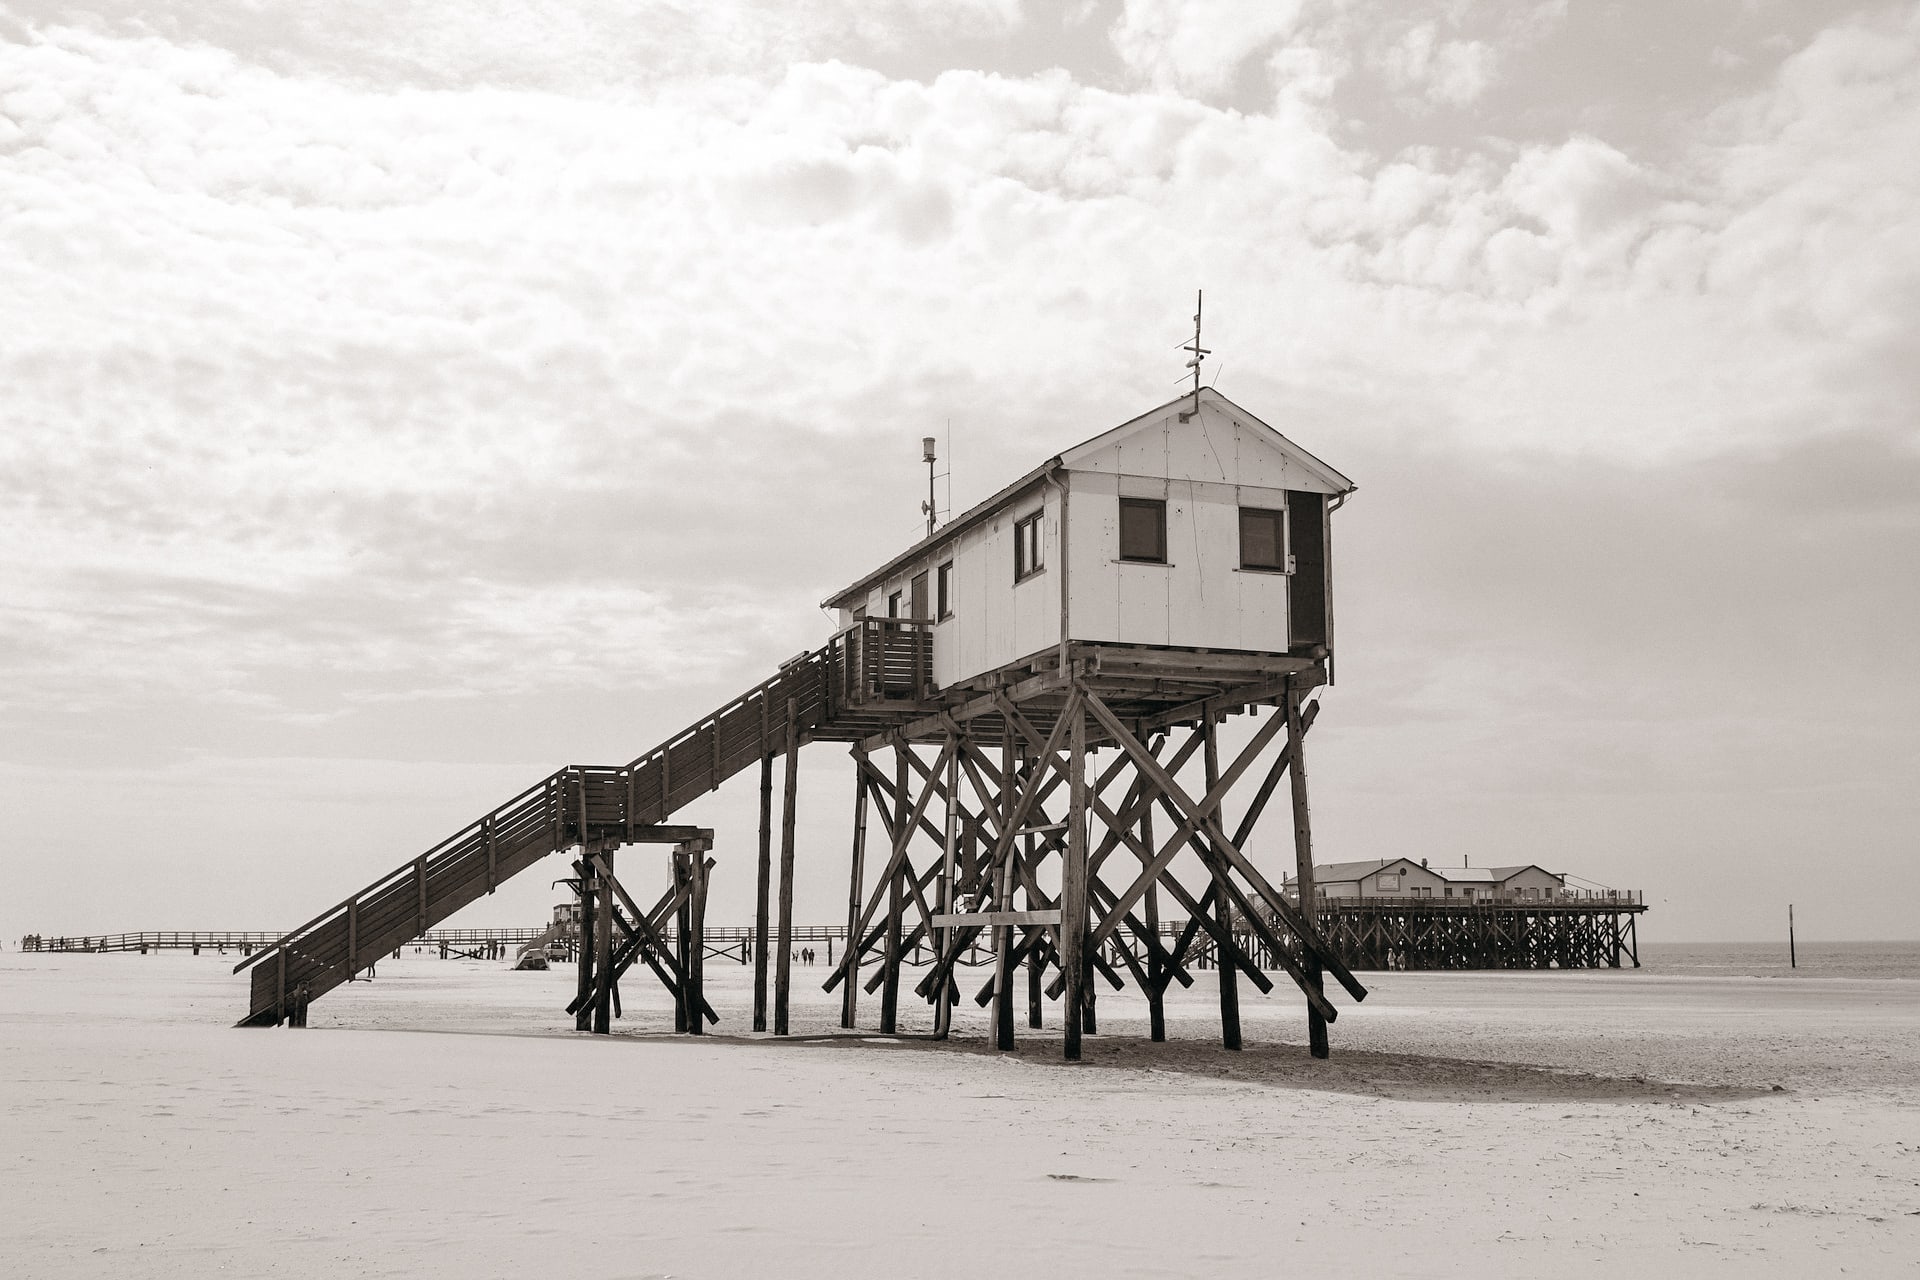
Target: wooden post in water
783	961
763	888
1793	956
1303	864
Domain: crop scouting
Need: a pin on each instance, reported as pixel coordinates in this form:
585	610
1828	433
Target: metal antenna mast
927	456
1199	352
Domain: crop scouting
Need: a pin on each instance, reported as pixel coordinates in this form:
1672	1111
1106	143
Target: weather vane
1199	352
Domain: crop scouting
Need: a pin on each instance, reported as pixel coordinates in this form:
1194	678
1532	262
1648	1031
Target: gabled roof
1342	872
1209	398
1065	459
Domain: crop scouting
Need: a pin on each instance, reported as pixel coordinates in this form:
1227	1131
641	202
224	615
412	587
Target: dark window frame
943	592
1158	506
1028	549
1276	517
894	600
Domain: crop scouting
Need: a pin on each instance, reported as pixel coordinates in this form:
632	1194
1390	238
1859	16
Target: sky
404	399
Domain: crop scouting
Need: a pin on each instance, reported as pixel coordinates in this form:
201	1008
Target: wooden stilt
763	887
583	1012
603	949
849	999
698	866
783	959
1073	881
1228	973
1003	901
684	1010
943	898
1157	970
1303	864
896	901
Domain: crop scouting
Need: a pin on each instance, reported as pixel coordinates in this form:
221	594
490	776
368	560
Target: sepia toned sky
399	400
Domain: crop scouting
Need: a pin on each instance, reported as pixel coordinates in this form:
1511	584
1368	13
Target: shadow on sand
1364	1073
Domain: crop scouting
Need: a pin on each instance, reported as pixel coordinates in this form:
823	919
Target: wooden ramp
866	680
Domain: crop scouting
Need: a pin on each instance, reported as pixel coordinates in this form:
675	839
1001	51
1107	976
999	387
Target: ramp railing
877	660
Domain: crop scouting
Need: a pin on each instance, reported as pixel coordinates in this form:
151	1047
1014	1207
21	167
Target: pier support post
762	887
1303	862
783	961
603	947
849	999
698	866
1073	882
583	1012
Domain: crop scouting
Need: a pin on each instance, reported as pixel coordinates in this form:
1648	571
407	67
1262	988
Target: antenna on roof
1199	353
927	456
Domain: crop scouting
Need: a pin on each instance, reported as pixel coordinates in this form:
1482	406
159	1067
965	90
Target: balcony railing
1552	898
886	660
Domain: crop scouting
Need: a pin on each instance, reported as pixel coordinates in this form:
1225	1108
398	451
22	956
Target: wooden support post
763	889
603	948
1036	955
1003	901
1223	909
583	1012
493	855
943	898
890	957
280	1005
849	999
1157	972
420	895
1073	880
783	962
684	1010
1303	865
695	971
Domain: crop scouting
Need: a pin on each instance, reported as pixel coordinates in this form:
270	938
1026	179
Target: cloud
354	367
1199	46
1450	72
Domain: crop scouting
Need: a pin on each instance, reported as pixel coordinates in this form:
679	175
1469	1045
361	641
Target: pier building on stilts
1033	696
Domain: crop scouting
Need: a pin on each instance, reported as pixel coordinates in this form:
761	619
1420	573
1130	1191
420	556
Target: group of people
805	955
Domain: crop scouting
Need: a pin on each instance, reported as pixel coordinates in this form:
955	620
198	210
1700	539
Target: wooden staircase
866	679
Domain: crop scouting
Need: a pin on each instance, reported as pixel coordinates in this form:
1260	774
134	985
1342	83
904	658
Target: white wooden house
1178	529
1405	878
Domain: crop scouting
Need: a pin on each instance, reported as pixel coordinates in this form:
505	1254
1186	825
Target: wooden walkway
865	681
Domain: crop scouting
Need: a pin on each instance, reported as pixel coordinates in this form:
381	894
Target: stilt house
1193	526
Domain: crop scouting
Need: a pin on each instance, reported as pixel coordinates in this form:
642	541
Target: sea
1770	960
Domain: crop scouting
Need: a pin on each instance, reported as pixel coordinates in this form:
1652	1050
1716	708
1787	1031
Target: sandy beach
445	1120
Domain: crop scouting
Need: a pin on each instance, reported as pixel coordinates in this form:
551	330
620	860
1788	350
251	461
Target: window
1263	539
1143	530
893	605
919	601
943	591
1026	547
